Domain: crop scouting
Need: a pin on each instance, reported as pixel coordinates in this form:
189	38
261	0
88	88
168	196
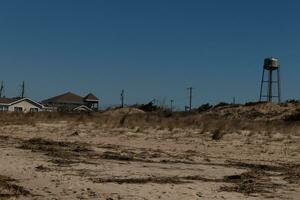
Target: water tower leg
279	86
270	95
261	86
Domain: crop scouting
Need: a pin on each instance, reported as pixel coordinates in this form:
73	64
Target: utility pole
233	102
2	89
122	98
172	104
23	90
191	97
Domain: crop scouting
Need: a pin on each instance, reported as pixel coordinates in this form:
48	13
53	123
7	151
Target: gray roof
68	97
8	100
12	101
71	98
91	97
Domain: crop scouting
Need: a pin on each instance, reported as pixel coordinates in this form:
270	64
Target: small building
20	105
70	102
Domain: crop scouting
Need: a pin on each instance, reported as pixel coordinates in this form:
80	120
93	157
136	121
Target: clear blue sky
152	49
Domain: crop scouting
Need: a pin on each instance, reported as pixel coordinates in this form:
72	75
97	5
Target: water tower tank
271	63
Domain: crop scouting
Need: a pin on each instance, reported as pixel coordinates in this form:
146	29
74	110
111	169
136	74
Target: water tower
269	83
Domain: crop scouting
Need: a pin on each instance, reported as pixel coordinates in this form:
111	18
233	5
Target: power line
172	105
122	98
23	90
2	89
190	89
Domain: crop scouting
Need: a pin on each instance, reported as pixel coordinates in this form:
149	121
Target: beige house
20	105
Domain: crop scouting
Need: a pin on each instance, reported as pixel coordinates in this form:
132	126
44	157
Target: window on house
18	109
3	108
34	110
